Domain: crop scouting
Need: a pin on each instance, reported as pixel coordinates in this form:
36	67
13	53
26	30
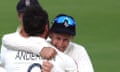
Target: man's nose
60	44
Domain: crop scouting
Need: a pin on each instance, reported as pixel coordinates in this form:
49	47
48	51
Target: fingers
48	53
46	66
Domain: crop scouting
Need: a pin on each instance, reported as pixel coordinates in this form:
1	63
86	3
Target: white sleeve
2	56
1	64
83	61
63	63
2	69
1	61
19	43
69	64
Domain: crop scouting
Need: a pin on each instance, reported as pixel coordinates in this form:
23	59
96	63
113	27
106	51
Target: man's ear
47	28
46	32
20	17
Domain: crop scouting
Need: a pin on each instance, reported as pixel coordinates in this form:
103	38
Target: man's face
60	40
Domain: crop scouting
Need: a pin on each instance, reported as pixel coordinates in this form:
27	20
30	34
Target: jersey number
33	66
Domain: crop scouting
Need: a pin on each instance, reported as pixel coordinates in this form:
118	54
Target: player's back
19	61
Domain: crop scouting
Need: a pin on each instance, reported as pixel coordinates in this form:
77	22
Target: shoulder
68	60
75	49
76	46
9	35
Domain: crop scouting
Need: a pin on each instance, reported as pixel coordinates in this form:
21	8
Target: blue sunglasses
62	19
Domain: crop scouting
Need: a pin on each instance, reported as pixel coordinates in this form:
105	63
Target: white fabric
19	61
2	69
80	56
10	41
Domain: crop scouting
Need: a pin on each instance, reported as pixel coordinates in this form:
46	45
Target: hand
46	66
48	53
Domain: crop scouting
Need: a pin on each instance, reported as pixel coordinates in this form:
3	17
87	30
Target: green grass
98	26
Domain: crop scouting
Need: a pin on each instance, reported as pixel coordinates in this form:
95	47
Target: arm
66	63
2	59
2	69
71	66
83	61
2	56
61	63
20	43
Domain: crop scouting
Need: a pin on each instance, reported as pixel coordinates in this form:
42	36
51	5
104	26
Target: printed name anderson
23	55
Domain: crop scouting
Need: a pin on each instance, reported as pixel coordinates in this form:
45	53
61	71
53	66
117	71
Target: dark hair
34	20
22	4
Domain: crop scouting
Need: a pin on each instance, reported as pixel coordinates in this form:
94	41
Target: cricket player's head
62	31
22	4
35	21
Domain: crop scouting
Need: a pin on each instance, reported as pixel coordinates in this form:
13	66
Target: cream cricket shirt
80	56
23	61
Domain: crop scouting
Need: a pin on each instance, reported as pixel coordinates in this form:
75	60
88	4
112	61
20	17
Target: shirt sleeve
2	69
20	43
83	61
2	56
69	64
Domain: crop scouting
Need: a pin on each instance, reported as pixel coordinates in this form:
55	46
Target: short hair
22	4
34	20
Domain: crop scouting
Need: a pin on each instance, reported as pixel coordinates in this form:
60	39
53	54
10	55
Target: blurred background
98	27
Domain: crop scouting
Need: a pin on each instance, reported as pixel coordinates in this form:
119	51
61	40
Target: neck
23	33
42	36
